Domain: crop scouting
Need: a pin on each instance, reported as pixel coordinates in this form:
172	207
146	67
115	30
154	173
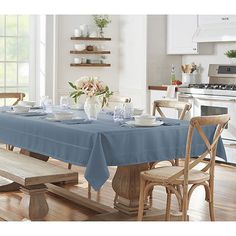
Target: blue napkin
76	121
110	113
169	123
36	108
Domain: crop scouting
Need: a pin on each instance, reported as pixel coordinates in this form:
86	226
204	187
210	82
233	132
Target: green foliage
77	93
101	21
231	53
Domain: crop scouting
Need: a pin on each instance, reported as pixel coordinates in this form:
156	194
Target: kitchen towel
170	93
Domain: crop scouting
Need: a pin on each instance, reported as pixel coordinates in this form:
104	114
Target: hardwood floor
63	210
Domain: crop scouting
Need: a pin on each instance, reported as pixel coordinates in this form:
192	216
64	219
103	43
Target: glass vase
101	33
92	107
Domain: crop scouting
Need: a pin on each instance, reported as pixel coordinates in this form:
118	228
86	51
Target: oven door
206	105
203	105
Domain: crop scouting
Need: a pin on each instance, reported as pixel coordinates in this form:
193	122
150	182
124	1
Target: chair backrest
17	96
117	100
184	107
220	121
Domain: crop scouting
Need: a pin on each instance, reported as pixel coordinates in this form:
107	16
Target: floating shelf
89	52
91	65
90	38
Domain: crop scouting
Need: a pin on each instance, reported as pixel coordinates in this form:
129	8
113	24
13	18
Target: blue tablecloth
101	143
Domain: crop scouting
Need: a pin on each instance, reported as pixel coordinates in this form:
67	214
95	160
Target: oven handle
230	145
216	99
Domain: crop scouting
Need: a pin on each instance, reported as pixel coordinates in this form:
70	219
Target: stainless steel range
217	97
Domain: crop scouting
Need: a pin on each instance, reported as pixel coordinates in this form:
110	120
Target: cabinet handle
194	49
225	18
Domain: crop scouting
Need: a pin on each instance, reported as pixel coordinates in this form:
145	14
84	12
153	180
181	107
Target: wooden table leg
126	185
33	204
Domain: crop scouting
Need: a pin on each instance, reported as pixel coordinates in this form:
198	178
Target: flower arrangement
90	86
101	22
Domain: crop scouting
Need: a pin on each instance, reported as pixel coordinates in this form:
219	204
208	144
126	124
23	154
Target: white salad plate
156	123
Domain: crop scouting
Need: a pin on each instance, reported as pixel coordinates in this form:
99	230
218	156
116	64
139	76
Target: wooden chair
116	101
18	97
182	106
158	104
172	176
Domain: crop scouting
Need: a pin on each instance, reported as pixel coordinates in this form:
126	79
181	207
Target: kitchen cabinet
216	19
180	30
161	95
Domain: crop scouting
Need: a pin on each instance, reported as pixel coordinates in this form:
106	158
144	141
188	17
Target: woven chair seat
162	174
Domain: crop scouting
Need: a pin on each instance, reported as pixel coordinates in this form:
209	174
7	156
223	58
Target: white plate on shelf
57	120
133	123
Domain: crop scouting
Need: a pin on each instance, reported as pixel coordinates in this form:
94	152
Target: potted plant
101	22
231	54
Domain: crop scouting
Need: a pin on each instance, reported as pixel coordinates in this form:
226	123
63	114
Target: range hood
215	33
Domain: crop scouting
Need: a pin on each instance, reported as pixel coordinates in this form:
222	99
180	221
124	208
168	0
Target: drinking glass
118	114
48	105
64	102
128	110
42	101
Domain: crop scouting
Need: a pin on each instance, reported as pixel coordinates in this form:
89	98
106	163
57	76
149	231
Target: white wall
217	57
133	77
65	28
158	62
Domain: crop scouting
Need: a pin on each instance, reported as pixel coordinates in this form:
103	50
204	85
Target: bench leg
33	204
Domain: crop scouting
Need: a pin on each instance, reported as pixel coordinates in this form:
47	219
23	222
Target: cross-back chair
116	100
182	106
172	177
18	97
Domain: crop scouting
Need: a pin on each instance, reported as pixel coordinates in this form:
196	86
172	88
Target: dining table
98	144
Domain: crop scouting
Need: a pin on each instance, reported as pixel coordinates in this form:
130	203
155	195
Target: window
16	55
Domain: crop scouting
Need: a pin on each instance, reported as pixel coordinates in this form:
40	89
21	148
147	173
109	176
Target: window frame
31	60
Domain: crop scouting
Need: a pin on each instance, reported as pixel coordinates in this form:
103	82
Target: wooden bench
32	175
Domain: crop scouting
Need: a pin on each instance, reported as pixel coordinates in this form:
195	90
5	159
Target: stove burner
214	86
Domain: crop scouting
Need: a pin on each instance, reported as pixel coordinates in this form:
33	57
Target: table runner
101	143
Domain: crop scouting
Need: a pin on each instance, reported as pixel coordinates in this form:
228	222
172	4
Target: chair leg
141	199
185	203
69	166
9	147
89	191
211	204
168	204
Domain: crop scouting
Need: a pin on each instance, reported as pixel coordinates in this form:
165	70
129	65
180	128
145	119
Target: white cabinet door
159	95
216	19
180	30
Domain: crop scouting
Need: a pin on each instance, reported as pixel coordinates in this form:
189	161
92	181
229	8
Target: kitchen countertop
159	87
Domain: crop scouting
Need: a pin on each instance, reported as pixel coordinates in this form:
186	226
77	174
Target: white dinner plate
55	119
156	123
